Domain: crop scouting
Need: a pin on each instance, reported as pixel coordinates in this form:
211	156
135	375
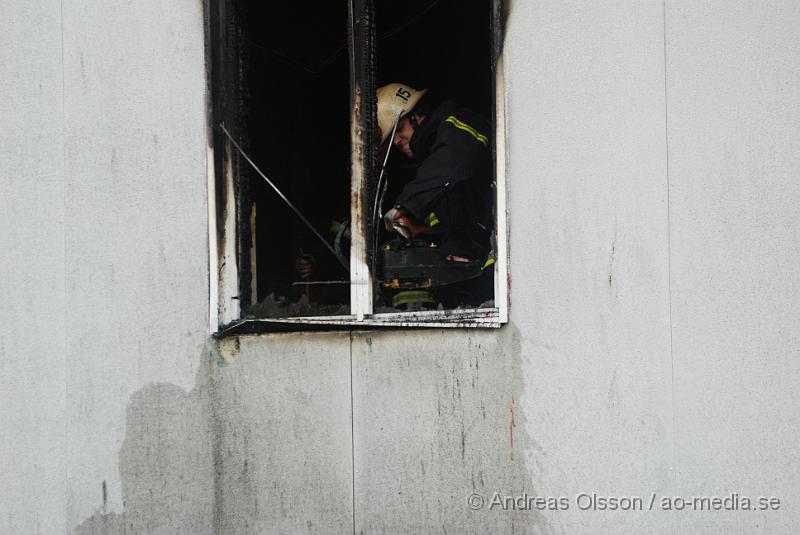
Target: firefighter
448	193
445	198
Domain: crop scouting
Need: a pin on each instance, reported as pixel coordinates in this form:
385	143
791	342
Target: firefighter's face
402	136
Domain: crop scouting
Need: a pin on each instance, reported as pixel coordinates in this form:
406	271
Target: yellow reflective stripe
468	129
432	220
489	262
411	296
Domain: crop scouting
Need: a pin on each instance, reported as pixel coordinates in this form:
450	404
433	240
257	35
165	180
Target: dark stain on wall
166	463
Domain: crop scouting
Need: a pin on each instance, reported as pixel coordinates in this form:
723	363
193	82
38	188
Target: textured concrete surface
166	463
734	117
283	432
589	252
652	164
657	297
135	196
437	424
105	264
33	364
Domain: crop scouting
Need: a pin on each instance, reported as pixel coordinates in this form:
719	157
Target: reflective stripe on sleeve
468	129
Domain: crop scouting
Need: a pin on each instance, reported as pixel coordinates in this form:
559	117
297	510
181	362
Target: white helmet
394	101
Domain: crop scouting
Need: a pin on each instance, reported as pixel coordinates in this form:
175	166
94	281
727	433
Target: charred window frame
231	219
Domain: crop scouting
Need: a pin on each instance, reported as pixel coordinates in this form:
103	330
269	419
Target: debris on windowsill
280	307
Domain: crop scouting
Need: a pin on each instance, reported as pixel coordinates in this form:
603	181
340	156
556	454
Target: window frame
224	192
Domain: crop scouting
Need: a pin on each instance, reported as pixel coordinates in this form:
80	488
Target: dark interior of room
297	104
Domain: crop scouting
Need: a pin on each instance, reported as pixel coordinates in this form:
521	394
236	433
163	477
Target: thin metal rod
282	196
378	196
312	283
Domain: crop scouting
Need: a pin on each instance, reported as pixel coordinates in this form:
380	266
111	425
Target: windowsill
474	317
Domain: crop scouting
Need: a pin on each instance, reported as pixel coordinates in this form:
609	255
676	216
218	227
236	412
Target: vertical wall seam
669	245
352	436
67	520
216	430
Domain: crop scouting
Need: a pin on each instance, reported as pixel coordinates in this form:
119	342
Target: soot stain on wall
166	462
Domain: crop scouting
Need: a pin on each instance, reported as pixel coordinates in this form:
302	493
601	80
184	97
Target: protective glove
396	220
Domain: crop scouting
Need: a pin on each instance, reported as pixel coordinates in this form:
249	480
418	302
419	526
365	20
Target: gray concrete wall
105	267
652	164
33	365
590	253
734	110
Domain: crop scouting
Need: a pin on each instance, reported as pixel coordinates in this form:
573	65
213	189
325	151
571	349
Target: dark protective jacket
453	179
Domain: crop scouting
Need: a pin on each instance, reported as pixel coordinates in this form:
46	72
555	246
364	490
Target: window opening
309	184
295	73
436	243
